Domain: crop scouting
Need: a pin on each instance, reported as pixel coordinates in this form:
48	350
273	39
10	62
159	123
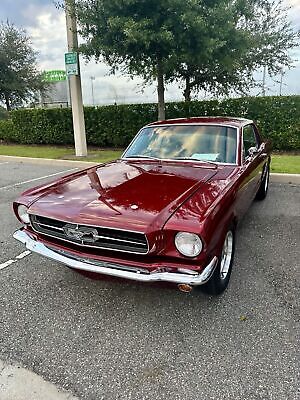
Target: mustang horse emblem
83	234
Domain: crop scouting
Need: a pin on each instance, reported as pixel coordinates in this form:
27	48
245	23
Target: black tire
220	278
264	185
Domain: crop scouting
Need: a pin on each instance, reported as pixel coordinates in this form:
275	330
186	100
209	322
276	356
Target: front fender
208	214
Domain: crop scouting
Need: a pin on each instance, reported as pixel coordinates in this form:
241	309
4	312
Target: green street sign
54	76
71	58
71	61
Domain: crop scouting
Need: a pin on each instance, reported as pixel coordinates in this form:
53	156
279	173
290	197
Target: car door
251	167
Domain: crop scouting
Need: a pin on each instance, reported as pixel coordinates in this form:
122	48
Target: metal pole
264	82
280	87
92	79
75	84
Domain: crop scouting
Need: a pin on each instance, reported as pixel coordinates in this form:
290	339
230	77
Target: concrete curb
285	178
47	161
274	178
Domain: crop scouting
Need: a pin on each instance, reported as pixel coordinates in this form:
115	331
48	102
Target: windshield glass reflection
196	142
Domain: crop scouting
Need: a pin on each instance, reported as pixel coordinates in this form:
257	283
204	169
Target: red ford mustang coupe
166	211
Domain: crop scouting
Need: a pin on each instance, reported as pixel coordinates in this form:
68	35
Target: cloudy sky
46	26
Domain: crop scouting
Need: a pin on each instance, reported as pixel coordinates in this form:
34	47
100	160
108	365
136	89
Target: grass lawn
57	152
98	155
284	163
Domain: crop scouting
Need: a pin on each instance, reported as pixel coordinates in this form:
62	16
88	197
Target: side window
249	139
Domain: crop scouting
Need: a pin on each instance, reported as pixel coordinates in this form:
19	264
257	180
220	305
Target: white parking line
14	260
7	263
36	179
1	163
24	254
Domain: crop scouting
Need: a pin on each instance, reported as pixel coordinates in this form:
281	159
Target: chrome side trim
112	269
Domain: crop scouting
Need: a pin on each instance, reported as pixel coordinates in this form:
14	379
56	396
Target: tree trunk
7	102
187	90
160	92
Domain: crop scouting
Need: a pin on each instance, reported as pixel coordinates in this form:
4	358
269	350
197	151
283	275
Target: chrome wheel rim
226	255
266	180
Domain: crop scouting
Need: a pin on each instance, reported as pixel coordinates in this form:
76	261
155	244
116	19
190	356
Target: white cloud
49	39
294	13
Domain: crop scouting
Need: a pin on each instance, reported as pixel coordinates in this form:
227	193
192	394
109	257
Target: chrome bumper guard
112	269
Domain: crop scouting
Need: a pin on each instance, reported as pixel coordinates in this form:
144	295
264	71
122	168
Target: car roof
230	121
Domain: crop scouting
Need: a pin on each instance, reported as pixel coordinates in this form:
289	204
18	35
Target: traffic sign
71	61
71	58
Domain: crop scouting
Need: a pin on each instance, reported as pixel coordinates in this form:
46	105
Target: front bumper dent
114	269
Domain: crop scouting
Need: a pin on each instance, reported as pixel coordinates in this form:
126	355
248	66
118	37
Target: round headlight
188	244
23	214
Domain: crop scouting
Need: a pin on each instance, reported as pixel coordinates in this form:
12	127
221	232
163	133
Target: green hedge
114	126
3	113
7	131
43	126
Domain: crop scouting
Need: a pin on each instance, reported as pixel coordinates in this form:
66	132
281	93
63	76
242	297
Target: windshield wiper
196	159
141	156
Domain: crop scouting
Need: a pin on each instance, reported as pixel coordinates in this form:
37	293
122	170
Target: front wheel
264	185
221	276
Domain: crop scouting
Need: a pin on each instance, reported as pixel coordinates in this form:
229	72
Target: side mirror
252	151
262	147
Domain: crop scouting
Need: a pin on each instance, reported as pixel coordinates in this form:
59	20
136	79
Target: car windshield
212	143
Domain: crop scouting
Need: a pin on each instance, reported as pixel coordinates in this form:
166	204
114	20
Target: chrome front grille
91	236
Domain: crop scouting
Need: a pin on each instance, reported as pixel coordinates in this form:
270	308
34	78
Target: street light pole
281	79
264	81
92	79
75	83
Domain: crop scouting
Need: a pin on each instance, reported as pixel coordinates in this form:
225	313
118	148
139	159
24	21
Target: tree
137	36
214	45
242	37
19	77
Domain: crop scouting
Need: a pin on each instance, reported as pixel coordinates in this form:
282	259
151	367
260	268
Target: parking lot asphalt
109	339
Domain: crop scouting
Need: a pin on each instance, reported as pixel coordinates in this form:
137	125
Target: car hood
136	195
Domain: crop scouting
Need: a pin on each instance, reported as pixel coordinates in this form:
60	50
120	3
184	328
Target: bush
3	113
43	126
277	117
114	126
7	131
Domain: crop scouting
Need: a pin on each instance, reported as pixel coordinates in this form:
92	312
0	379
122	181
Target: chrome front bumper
112	269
